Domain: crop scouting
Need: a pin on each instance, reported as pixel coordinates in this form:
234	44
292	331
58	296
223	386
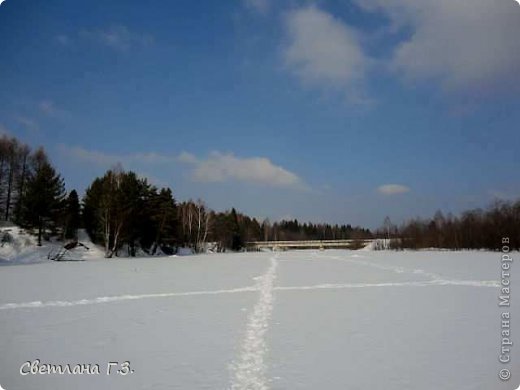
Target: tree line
127	215
473	229
32	193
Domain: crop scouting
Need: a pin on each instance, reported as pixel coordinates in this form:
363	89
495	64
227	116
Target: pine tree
237	241
131	199
91	213
72	216
12	170
21	183
158	223
45	194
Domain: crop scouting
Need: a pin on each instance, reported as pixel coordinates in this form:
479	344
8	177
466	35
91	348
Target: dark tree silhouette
45	194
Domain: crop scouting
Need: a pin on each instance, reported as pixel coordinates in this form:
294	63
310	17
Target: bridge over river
308	244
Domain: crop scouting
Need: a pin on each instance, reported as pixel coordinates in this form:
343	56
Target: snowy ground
290	320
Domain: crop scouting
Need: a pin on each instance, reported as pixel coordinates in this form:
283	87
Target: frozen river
331	319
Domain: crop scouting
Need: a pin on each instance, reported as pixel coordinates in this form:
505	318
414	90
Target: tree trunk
9	190
106	232
116	239
2	163
21	188
40	228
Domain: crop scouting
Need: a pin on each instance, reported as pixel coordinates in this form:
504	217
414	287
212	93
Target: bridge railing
307	243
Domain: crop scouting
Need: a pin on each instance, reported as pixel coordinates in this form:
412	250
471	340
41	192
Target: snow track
248	372
437	282
119	298
263	308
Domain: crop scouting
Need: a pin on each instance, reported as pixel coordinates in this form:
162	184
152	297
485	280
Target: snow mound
18	246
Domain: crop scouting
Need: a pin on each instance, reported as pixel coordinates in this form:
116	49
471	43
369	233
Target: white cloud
464	44
108	159
322	50
186	157
219	167
392	189
118	37
89	156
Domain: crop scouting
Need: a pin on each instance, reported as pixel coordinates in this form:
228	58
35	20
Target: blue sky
338	111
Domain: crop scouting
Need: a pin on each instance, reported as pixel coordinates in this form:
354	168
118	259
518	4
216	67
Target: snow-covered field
290	320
